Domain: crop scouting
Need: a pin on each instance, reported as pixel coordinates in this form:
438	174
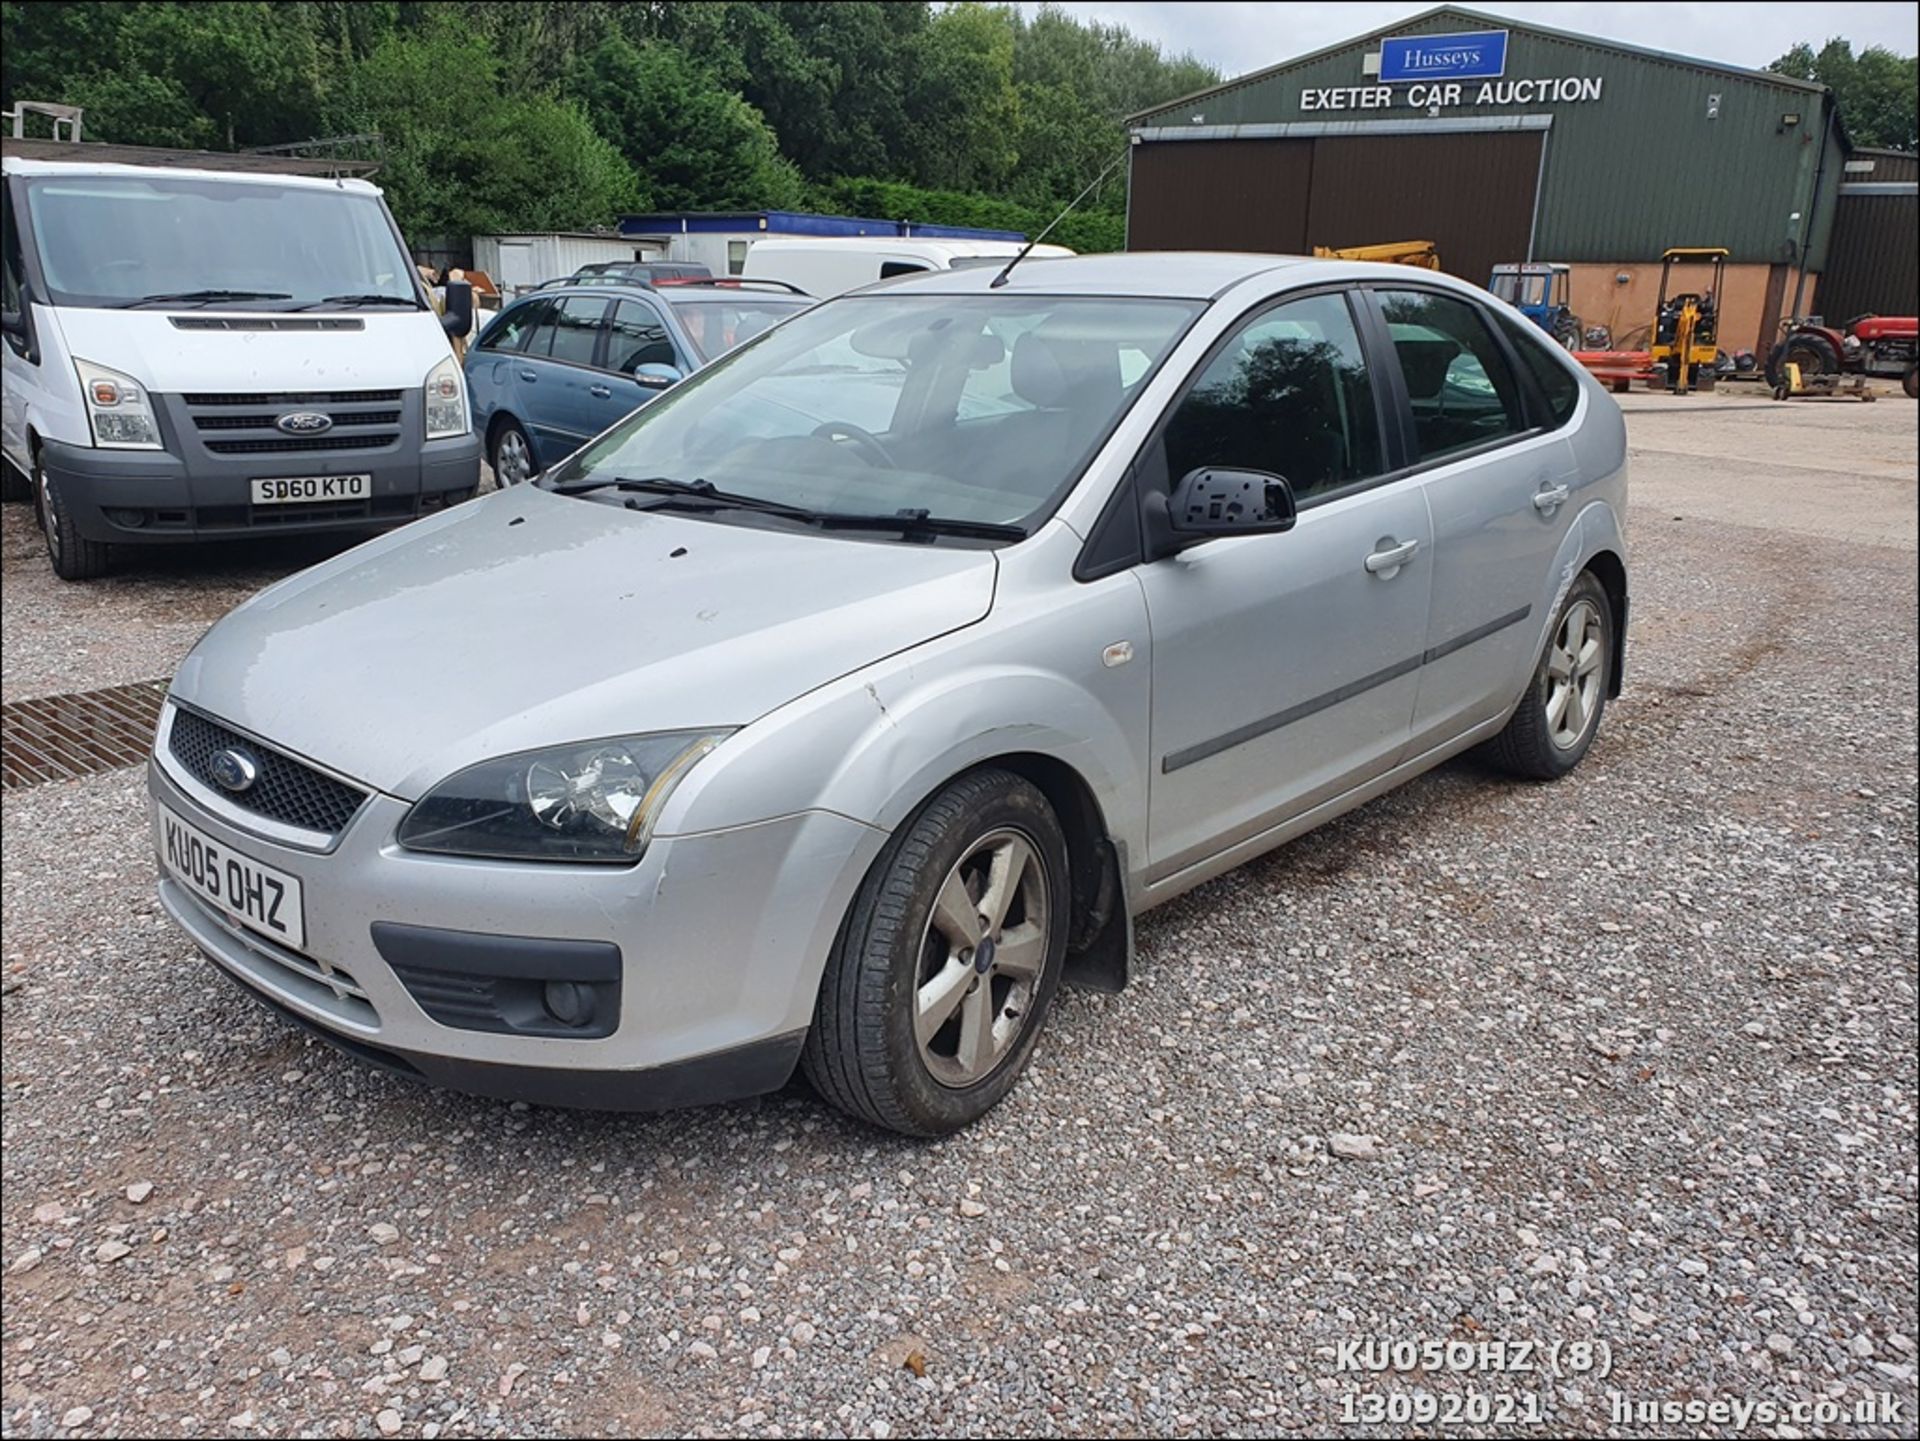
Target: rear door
493	365
1490	453
1284	666
557	376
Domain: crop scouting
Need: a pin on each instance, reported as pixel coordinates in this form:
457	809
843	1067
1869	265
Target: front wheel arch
1611	572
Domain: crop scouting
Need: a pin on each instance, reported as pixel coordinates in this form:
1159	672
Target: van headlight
117	409
446	401
596	801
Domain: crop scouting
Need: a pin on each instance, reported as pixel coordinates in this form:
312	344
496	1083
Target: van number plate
258	897
300	489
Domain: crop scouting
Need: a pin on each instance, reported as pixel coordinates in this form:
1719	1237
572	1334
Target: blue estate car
558	366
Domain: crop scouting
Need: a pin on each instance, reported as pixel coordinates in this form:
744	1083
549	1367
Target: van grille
293	397
244	421
264	445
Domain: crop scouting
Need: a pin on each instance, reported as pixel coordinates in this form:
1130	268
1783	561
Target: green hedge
1084	231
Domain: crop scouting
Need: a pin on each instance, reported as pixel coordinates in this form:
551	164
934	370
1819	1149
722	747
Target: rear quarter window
1559	386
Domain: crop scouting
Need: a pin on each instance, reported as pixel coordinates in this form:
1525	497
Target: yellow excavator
1422	253
1686	323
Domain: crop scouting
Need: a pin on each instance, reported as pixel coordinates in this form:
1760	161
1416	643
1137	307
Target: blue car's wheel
511	455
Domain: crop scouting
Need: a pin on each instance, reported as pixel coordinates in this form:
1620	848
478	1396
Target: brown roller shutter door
1221	195
1472	193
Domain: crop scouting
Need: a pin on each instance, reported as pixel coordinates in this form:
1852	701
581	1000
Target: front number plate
304	489
257	896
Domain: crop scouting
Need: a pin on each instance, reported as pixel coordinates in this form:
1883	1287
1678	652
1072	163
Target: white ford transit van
825	266
195	354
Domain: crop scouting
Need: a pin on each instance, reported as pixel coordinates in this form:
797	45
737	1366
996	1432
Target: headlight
117	409
446	401
596	801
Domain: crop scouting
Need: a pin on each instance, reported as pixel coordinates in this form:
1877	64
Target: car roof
1167	274
16	165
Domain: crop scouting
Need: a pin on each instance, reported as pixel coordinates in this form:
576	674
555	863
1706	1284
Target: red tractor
1870	345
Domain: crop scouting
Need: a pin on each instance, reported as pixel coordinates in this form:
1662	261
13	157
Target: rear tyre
511	455
947	962
1560	713
1814	354
73	556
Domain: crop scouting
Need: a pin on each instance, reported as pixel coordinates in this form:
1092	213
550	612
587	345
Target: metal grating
265	446
287	791
61	737
292	397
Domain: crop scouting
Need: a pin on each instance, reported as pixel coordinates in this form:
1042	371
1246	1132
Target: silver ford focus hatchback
835	708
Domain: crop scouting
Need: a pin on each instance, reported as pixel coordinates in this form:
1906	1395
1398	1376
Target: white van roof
940	252
17	165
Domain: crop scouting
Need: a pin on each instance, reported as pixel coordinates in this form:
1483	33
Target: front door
1284	666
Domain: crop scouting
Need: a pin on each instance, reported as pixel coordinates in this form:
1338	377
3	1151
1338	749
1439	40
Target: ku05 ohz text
1557	1358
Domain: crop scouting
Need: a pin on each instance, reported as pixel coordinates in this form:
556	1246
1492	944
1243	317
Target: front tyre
72	555
947	963
511	455
1557	718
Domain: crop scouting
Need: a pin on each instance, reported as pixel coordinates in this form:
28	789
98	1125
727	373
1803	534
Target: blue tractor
1541	292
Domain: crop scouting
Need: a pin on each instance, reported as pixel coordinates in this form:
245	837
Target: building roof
89	152
797	222
1476	17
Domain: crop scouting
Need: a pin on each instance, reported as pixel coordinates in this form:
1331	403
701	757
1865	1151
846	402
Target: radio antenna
1001	279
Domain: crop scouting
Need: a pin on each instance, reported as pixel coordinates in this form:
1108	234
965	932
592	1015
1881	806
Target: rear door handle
530	375
1388	562
598	392
1550	498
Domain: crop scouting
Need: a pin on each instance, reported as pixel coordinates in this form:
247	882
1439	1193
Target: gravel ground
1629	1059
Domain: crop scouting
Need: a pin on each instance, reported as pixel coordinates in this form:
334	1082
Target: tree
694	145
464	157
965	111
1875	90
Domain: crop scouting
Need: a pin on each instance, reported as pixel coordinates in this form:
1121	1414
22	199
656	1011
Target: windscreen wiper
406	300
920	522
701	494
204	297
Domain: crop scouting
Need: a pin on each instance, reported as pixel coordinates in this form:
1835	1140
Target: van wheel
511	456
947	963
74	557
1561	710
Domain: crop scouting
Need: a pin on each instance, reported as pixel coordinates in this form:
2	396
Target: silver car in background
833	709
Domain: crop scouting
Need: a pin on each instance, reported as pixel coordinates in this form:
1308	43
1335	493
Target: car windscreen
981	408
116	240
717	322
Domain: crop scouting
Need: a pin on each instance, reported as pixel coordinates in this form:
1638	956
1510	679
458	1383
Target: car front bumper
721	940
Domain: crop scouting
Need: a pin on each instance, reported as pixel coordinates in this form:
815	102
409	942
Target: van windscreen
110	241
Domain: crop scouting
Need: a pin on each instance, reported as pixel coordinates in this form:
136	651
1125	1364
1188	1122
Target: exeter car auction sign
1433	67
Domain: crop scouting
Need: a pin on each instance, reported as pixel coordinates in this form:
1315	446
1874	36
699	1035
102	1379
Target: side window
1289	395
510	331
9	251
736	256
568	331
637	338
1556	382
1462	392
891	268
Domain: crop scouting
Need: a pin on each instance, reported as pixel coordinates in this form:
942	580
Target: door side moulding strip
1253	730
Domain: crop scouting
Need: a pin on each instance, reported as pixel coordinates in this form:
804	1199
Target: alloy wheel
981	957
49	516
512	461
1575	667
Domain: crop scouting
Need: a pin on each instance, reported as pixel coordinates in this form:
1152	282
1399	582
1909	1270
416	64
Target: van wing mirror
17	327
458	317
1210	502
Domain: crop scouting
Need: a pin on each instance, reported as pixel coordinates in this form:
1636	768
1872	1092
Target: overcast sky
1238	37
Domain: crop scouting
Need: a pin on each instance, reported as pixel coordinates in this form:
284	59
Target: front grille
287	790
266	422
265	445
294	397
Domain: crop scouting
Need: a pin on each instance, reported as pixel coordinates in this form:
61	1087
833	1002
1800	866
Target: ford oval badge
233	769
305	422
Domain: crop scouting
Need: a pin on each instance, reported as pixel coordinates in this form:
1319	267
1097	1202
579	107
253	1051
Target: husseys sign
1437	70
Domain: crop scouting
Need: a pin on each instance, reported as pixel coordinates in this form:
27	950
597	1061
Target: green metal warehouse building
1503	141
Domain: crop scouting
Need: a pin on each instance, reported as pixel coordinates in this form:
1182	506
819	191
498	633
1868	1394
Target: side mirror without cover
1210	502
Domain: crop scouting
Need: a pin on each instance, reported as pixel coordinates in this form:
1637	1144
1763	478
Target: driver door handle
1550	498
1392	558
598	392
529	375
